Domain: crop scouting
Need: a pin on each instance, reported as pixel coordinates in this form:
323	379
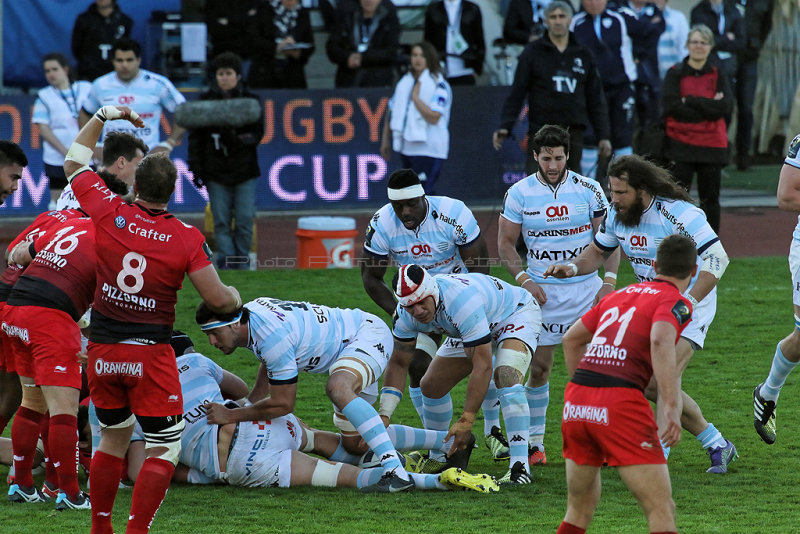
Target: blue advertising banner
320	150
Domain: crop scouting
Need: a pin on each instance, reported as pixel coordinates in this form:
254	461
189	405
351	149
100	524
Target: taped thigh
357	368
513	358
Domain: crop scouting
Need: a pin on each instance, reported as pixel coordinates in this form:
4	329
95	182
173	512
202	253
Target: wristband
80	154
526	281
519	275
691	299
574	268
390	398
610	284
613	276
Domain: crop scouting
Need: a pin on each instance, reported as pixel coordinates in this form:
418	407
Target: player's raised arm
82	149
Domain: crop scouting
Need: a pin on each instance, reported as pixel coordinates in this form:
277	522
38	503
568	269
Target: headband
210	325
412	191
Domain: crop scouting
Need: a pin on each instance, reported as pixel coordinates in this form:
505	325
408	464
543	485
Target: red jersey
38	227
143	256
62	274
621	322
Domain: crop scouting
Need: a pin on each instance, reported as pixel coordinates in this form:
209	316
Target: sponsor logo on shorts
588	414
59	369
15	331
102	367
646	445
172	398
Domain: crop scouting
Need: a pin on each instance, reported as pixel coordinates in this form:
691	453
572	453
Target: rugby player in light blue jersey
478	313
272	453
646	206
441	235
352	346
787	353
557	212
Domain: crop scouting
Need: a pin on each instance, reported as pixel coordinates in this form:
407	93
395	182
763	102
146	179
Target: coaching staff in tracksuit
559	77
605	33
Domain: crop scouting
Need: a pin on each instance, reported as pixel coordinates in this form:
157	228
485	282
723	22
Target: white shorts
372	347
566	303
794	268
702	316
261	452
524	324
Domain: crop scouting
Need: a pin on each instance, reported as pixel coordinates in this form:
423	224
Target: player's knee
419	364
510	366
164	434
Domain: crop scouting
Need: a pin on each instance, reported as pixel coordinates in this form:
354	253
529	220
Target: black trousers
709	181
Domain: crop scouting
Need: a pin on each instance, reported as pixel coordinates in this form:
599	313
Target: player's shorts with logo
609	425
702	316
524	324
45	343
141	377
261	452
6	357
365	356
566	303
794	268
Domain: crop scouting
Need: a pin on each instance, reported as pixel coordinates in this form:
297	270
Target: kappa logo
517	437
119	221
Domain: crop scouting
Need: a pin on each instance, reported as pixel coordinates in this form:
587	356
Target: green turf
762	178
757	495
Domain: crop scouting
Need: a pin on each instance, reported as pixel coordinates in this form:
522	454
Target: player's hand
460	431
219	414
112	113
669	426
604	290
498	137
537	292
604	148
385	420
83	358
559	270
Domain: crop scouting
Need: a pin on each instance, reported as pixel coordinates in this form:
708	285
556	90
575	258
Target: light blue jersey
469	306
146	94
556	220
291	336
200	378
434	245
663	217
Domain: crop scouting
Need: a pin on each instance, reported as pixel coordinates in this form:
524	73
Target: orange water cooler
325	242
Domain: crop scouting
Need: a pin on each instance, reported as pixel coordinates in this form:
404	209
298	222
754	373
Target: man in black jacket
560	80
455	29
93	35
225	160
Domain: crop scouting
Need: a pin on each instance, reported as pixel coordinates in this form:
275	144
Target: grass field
757	495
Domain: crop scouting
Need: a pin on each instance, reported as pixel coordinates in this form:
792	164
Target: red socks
569	528
63	441
148	493
104	483
24	435
50	474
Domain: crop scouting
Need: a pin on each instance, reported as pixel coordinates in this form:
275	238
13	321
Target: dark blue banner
320	151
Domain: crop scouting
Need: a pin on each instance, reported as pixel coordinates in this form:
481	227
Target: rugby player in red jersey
611	355
144	252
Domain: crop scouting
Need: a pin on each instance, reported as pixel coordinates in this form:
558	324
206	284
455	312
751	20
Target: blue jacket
614	53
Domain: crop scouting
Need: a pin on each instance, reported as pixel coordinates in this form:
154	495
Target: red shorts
143	378
6	361
44	344
613	426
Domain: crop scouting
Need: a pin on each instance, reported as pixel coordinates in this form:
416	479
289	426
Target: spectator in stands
225	159
671	43
365	45
129	83
331	10
93	35
455	29
559	77
417	122
55	112
757	24
242	27
525	21
294	44
605	33
645	26
727	25
697	98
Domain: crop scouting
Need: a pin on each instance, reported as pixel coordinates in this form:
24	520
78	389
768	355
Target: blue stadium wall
320	152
